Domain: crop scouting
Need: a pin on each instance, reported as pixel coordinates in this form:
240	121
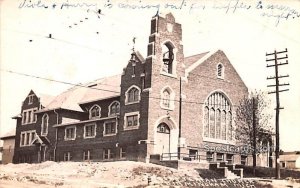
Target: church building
164	106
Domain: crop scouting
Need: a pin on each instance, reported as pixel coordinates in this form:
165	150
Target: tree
252	122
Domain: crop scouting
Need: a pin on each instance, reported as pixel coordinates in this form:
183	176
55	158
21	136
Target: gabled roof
188	61
99	89
44	98
198	59
103	88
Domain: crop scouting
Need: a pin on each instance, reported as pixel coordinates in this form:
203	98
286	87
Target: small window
122	152
163	128
114	108
90	131
110	128
108	154
166	99
70	133
67	156
168	57
209	156
87	155
220	71
95	112
45	123
243	159
220	156
229	158
283	165
30	99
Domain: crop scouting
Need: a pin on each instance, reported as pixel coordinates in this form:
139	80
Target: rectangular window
27	137
87	155
30	99
243	159
22	139
108	154
209	156
90	131
24	117
132	120
230	158
220	157
70	133
67	156
122	152
110	128
28	116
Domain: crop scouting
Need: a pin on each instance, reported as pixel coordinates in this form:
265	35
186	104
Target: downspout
56	135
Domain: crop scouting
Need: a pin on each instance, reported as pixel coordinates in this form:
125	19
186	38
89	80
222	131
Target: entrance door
163	139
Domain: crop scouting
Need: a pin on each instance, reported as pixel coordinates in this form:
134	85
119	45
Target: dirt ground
116	174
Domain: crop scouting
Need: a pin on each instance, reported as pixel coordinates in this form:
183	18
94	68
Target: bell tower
165	46
164	65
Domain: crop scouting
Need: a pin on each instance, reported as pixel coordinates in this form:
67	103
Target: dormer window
220	71
95	112
168	58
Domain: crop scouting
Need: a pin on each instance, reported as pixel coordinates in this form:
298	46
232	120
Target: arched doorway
163	138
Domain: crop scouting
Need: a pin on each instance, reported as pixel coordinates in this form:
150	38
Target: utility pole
180	104
276	64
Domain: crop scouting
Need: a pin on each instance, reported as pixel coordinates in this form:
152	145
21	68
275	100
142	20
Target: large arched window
95	112
45	123
114	108
132	95
217	117
168	58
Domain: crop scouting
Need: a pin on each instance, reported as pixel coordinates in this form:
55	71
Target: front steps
229	171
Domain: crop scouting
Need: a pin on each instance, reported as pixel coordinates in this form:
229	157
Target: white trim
90	112
70	127
172	97
25	138
81	122
109	108
30	98
131	114
200	61
88	155
84	131
43	124
27	118
126	95
104	128
222	71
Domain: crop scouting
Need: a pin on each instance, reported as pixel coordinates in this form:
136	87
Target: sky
86	45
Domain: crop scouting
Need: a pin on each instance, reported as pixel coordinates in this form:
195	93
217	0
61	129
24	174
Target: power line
85	86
